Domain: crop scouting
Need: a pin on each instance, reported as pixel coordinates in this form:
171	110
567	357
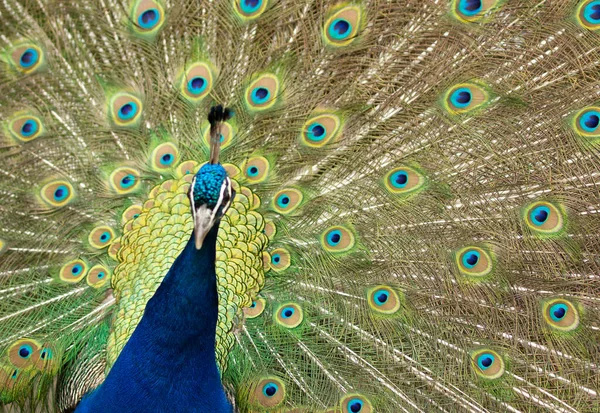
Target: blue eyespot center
558	312
592	12
381	297
287	312
540	215
485	361
77	268
29	58
283	201
128	111
316	132
470	7
14	374
253	304
471	258
136	215
260	95
127	181
25	351
461	97
399	179
340	29
252	171
590	120
167	159
100	275
250	6
149	18
197	85
61	193
105	236
270	389
334	237
29	128
355	405
276	259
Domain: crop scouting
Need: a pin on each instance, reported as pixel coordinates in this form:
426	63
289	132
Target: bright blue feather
168	364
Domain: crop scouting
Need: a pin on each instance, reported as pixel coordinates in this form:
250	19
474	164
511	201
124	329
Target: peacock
321	206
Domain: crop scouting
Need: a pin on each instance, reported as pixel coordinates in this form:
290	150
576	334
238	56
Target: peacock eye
465	97
588	14
256	309
289	315
268	393
337	239
57	193
262	93
474	261
25	351
403	181
287	200
148	19
249	9
487	363
164	157
73	271
197	85
21	351
560	314
256	169
472	10
342	27
280	259
356	403
124	180
97	276
320	129
384	300
544	218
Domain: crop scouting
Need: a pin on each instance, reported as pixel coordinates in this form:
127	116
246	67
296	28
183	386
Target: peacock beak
204	219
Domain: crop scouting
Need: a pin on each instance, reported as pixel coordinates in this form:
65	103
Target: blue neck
169	362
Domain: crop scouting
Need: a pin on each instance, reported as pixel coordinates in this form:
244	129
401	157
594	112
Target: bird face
210	197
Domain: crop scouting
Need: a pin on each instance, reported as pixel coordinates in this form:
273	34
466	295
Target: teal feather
438	249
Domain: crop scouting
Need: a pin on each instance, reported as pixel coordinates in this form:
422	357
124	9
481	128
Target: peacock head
211	192
210	197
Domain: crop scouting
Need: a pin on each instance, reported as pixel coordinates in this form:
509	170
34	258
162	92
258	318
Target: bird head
211	192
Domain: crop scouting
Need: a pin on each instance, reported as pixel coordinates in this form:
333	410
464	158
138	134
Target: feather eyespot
98	276
320	130
22	353
147	17
197	82
465	97
384	299
130	213
337	239
289	315
280	259
124	180
472	10
403	181
588	14
57	193
560	314
256	169
249	9
544	218
474	261
287	200
26	128
256	308
125	110
487	363
262	93
164	157
586	122
101	237
73	271
343	26
27	58
268	392
355	403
